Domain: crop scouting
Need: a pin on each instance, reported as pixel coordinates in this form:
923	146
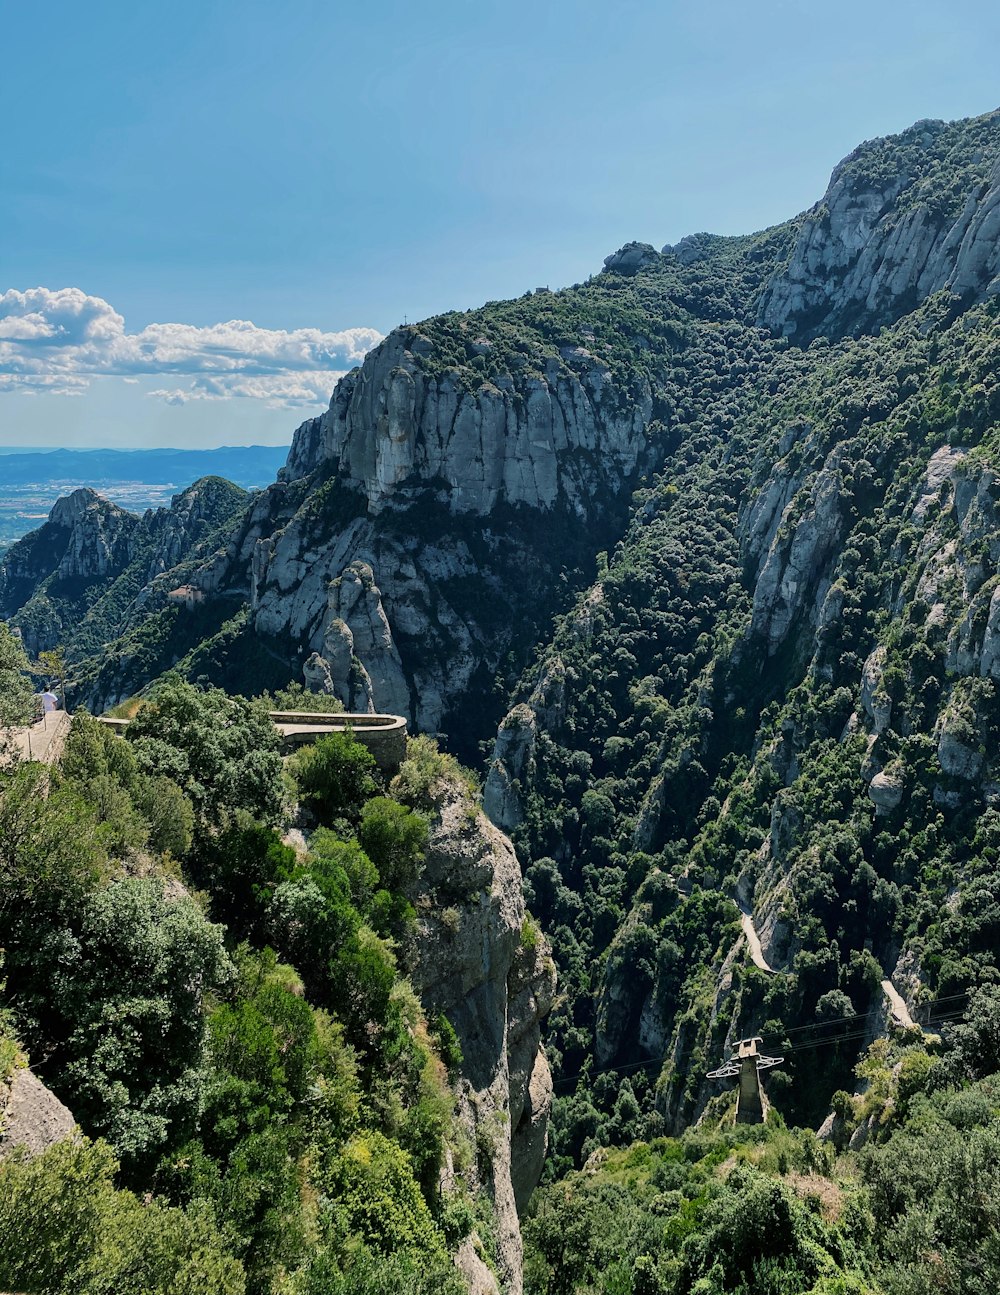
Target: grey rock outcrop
395	429
97	531
393	618
512	754
801	543
691	248
54	581
883	238
956	758
357	624
885	791
631	258
514	747
490	972
874	698
318	676
31	1117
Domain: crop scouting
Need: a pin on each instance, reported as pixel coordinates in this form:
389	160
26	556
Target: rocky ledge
884	237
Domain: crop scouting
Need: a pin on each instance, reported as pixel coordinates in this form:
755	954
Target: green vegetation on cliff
265	1105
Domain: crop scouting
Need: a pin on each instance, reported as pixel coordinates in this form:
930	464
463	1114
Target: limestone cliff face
885	236
397	427
85	537
86	540
482	963
426	514
398	624
191	518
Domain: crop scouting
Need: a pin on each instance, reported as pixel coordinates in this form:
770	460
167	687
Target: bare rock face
52	581
886	791
511	758
874	698
357	622
631	258
317	675
800	545
98	532
31	1116
956	758
882	240
409	614
490	972
393	427
306	450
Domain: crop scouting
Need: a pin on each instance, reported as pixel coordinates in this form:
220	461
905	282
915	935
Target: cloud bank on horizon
58	341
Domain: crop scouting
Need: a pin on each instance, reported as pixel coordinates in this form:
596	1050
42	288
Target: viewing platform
43	740
384	735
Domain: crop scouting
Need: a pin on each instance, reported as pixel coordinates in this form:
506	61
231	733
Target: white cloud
279	391
57	341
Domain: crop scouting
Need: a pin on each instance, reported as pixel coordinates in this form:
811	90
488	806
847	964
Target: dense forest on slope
264	1102
718	531
265	1105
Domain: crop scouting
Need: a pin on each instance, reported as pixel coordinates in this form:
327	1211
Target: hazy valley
32	481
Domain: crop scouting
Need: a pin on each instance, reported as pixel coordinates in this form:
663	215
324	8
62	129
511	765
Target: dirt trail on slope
753	939
899	1009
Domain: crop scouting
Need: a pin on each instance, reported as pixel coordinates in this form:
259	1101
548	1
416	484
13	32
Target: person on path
50	702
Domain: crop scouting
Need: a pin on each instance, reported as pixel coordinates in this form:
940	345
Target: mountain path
43	741
753	939
899	1009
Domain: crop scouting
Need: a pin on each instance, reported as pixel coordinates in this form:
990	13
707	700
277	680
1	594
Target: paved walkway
42	741
753	939
899	1009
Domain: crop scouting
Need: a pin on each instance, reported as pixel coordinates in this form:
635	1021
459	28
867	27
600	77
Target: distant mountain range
246	465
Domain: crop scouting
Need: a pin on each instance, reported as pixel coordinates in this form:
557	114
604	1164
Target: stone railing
384	735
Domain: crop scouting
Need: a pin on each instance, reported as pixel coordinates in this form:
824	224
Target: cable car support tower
746	1063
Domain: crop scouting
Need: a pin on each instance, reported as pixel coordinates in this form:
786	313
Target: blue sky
325	170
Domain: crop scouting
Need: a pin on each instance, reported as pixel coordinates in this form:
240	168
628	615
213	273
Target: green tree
241	866
295	697
975	1042
373	1183
394	838
66	1228
123	1011
223	751
136	808
336	775
52	850
16	695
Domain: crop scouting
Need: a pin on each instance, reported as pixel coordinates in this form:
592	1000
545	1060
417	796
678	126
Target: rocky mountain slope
754	481
81	579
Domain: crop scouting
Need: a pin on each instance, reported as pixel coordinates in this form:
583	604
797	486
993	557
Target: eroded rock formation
482	963
883	239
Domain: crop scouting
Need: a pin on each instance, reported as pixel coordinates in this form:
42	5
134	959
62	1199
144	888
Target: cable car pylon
746	1063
